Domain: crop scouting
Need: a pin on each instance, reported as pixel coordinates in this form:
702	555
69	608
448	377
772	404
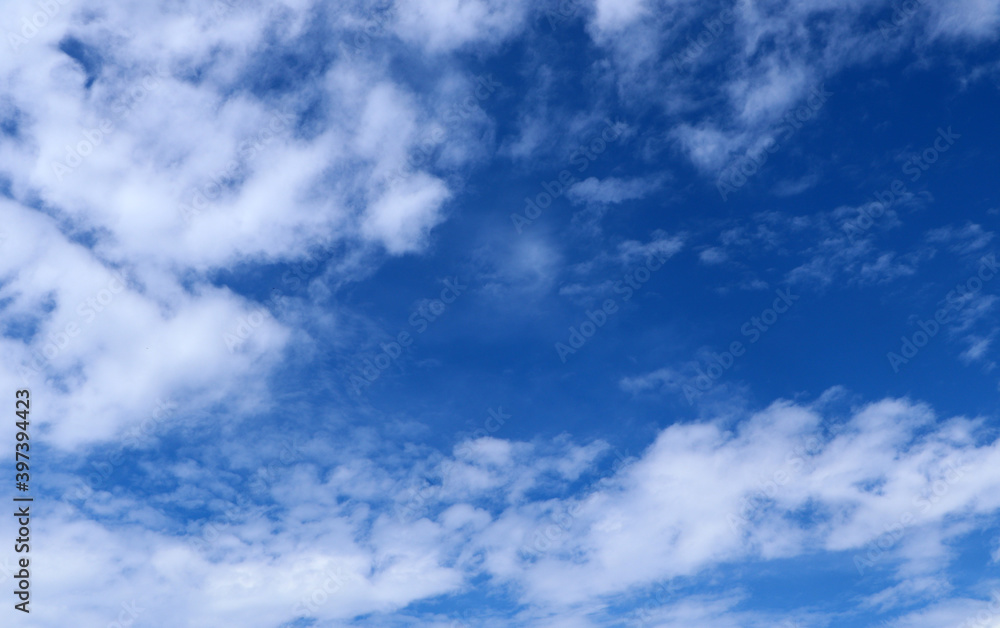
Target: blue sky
495	313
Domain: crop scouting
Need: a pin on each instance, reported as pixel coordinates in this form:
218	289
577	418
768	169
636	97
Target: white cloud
403	215
708	147
236	180
966	240
712	255
612	190
759	66
702	495
443	25
972	19
661	244
611	15
649	381
194	122
527	266
977	349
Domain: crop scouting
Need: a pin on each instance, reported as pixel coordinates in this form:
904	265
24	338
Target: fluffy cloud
243	176
610	191
149	174
445	25
871	489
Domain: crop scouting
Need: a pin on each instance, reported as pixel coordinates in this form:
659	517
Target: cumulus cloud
869	489
241	177
162	164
